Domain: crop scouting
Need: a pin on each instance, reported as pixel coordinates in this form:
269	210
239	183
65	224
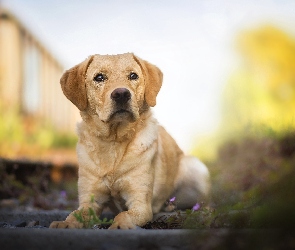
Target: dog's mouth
121	111
122	114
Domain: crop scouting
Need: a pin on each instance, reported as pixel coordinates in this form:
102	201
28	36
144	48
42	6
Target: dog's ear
73	84
153	80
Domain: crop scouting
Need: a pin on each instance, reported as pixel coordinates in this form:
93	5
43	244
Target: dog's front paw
65	224
123	221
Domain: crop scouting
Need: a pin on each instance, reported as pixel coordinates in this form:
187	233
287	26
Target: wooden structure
29	76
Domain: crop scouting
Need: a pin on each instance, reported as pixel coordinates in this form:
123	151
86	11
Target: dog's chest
108	158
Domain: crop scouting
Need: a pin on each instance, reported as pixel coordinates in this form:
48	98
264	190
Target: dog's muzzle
121	96
121	109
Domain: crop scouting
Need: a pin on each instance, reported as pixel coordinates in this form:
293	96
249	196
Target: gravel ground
29	230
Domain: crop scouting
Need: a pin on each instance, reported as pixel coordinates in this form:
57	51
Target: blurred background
228	95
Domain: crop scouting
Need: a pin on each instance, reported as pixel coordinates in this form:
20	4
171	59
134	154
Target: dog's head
114	87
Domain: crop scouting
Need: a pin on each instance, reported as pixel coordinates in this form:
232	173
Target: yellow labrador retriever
127	161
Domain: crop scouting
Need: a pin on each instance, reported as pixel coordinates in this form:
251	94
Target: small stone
33	223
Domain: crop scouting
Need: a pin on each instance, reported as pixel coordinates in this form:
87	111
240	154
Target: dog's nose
121	95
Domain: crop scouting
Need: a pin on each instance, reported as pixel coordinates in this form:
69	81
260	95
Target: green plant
200	218
90	219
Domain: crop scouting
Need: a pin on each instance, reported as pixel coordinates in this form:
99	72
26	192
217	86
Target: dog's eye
100	77
133	76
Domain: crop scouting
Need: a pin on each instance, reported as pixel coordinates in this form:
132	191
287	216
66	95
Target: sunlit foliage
28	136
259	97
261	92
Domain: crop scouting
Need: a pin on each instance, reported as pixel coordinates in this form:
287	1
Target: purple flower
196	207
172	199
63	194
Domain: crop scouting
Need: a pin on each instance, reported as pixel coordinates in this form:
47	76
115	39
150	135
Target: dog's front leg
78	218
135	216
139	210
81	217
92	196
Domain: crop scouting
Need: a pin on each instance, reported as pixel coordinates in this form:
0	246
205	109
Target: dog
127	161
